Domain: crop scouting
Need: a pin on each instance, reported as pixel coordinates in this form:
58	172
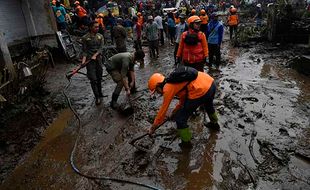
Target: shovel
134	141
127	108
76	70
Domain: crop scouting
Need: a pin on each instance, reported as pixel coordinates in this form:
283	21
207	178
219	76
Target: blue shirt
60	13
171	22
215	32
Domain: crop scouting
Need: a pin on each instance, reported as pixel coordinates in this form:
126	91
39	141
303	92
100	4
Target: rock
240	126
283	131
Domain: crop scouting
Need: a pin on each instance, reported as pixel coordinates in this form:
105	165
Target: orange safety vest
100	22
204	19
140	20
233	20
193	54
80	11
195	89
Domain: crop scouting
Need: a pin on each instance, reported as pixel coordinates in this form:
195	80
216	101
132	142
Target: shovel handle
132	141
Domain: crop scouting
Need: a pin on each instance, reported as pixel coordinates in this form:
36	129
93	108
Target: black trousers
137	45
161	36
232	30
190	105
214	51
94	74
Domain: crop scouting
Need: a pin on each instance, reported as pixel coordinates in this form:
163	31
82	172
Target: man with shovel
198	91
93	44
121	69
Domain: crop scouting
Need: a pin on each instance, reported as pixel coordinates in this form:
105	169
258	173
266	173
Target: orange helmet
233	10
76	2
202	11
193	11
193	19
154	80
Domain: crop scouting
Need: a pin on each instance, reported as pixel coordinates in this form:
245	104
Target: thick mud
263	142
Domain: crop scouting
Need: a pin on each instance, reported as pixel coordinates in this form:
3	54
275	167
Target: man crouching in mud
121	66
198	92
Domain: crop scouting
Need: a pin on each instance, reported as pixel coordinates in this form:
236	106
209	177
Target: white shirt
159	21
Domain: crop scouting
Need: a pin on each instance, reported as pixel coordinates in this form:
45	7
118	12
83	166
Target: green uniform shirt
122	62
92	44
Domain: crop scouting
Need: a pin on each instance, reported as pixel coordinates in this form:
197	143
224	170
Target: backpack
181	74
191	39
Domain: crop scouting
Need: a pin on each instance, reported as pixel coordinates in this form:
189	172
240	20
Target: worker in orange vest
81	13
191	94
232	21
193	47
204	20
140	19
193	12
99	19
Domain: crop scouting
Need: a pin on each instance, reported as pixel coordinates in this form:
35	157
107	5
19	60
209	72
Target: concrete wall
38	17
20	19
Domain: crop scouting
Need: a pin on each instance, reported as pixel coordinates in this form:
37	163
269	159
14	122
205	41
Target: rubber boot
213	124
113	103
185	134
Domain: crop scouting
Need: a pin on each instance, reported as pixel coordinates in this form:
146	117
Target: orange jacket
204	19
196	89
193	54
233	20
140	20
100	22
80	11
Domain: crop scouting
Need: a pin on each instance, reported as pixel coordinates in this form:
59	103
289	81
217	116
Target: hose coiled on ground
75	168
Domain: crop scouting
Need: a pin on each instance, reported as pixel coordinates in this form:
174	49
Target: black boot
113	103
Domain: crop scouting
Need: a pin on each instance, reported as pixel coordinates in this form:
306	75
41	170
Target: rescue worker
259	15
159	21
193	48
193	12
151	32
60	14
81	13
121	69
232	22
120	36
171	28
180	28
99	19
93	44
215	36
199	92
140	18
204	20
137	32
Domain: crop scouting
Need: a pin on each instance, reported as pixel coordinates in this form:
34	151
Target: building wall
20	19
12	22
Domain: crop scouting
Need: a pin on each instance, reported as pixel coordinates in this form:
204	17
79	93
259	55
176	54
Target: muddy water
263	142
50	156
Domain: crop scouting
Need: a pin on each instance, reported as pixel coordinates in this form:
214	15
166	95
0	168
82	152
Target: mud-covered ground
263	142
